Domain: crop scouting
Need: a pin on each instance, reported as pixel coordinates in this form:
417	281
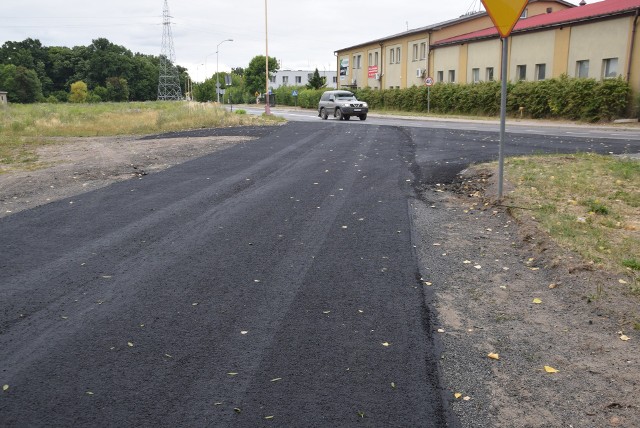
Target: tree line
104	71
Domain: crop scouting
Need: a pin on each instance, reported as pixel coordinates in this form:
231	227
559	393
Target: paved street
274	283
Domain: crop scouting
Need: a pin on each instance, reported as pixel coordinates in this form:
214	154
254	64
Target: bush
240	111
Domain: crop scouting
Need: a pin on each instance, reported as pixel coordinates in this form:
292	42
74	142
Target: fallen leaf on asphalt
466	398
504	287
106	276
5	387
494	356
217	404
624	338
130	344
268	417
326	312
622	281
428	283
168	356
549	369
276	379
478	267
440	330
466	262
537	301
89	393
552	286
244	332
237	409
385	344
232	374
457	395
361	414
393	385
194	304
361	311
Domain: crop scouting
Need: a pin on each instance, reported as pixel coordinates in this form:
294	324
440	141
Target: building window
397	55
440	76
582	68
370	59
354	62
335	79
375	58
359	62
298	79
423	50
272	79
452	76
610	68
521	72
285	80
415	52
475	75
489	74
541	71
525	13
392	56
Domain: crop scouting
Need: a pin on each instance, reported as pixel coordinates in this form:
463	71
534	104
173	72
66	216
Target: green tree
317	81
78	92
117	89
255	73
22	84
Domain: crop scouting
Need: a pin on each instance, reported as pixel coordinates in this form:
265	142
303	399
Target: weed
595	206
631	264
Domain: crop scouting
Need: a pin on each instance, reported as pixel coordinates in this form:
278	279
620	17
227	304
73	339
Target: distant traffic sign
294	93
504	14
428	81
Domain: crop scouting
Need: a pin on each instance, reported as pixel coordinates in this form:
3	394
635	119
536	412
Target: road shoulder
499	287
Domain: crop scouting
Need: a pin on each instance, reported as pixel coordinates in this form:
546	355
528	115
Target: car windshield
346	96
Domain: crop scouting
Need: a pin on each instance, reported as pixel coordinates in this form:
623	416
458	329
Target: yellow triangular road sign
504	13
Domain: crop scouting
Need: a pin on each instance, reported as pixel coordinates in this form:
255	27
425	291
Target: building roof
440	25
603	9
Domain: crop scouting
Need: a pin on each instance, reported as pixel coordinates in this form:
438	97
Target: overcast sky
303	34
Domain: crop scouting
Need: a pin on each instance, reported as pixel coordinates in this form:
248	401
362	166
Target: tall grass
24	127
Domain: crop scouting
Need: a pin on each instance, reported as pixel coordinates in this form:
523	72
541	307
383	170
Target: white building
301	78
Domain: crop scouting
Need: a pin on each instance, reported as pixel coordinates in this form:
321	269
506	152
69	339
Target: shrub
240	111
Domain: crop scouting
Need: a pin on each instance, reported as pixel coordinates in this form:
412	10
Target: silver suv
341	105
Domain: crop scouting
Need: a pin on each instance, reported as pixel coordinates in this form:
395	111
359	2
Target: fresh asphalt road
270	284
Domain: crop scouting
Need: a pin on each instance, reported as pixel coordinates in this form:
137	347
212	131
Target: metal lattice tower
169	82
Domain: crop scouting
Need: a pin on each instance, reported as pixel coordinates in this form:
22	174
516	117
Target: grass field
25	127
588	203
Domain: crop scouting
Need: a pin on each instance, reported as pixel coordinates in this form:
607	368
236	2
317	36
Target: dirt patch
70	166
503	287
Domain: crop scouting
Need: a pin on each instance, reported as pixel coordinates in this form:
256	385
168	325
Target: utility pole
267	108
217	72
169	80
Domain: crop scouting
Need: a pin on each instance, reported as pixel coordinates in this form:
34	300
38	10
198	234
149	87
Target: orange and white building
599	40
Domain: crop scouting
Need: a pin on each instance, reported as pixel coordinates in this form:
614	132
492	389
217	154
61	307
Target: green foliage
254	74
575	99
240	111
117	89
317	81
631	264
22	84
79	92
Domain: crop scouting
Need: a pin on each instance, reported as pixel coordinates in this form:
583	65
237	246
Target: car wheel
347	117
339	115
363	117
323	114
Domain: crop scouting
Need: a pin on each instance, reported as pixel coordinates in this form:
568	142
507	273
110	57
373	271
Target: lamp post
217	73
267	109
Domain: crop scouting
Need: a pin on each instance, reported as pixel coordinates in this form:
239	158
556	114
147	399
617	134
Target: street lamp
267	110
217	73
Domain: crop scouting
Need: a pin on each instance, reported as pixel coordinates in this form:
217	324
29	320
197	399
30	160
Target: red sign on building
373	70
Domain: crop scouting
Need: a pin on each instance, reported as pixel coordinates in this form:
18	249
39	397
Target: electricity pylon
169	81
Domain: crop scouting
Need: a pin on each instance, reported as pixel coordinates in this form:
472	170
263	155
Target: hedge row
564	97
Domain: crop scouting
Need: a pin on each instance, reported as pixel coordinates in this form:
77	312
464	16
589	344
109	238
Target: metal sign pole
428	99
503	115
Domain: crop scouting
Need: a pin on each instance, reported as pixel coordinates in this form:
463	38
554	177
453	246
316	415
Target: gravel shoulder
485	270
481	271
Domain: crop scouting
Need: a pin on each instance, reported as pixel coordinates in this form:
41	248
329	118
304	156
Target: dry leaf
5	387
385	344
494	356
537	301
326	312
467	398
89	393
466	262
478	267
244	332
622	281
552	286
130	344
428	283
440	330
457	395
237	409
393	385
232	373
276	379
217	404
624	337
268	417
549	369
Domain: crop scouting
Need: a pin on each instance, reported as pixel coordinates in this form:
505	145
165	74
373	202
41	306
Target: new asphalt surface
274	283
